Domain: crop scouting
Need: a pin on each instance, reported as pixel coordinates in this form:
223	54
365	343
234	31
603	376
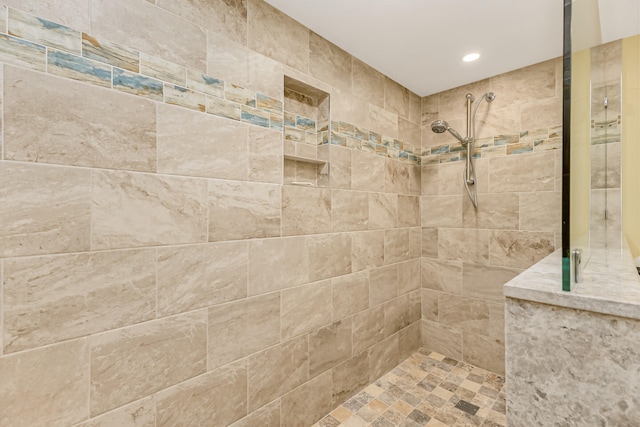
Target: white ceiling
420	43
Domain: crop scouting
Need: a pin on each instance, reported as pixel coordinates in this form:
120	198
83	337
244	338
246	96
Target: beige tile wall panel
329	63
217	398
330	346
45	209
409	132
349	210
496	211
350	377
368	328
397	245
429	300
195	144
74	13
496	320
277	370
171	38
409	340
430	242
350	294
415	242
486	281
464	244
540	114
368	83
494	121
305	210
267	416
192	277
47	386
340	165
55	298
415	113
383	210
383	357
308	403
90	126
383	121
441	211
415	306
141	413
277	264
470	315
265	155
442	275
415	180
132	210
442	339
134	362
383	285
368	250
243	210
396	98
452	104
270	30
524	85
329	256
481	350
408	276
367	171
533	172
397	315
305	308
349	108
408	211
396	177
243	327
225	17
520	249
541	211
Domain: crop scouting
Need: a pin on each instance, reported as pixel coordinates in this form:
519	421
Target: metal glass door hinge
576	257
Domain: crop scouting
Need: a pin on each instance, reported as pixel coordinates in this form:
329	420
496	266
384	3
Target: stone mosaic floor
426	390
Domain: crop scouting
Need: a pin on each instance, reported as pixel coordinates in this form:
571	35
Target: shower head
440	126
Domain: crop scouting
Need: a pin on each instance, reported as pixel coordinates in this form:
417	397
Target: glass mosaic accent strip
137	84
163	70
177	95
254	116
223	108
44	32
22	53
204	83
78	68
266	103
240	95
110	53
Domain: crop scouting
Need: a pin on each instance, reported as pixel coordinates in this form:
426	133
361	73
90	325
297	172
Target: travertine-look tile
305	308
368	83
368	328
533	172
137	414
368	250
329	63
265	155
367	171
170	38
408	211
267	416
130	210
542	113
44	209
47	386
225	17
305	210
350	294
92	126
541	211
308	403
493	211
349	210
193	277
441	211
467	314
350	377
133	362
74	14
396	245
195	144
408	276
242	327
277	371
520	249
397	315
464	244
329	346
383	210
55	298
270	30
396	177
383	121
329	256
409	340
430	242
277	264
451	103
525	84
218	397
442	275
429	300
486	281
243	210
484	351
383	357
383	284
340	161
396	98
441	338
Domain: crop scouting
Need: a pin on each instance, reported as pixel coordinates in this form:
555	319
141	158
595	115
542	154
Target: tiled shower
212	215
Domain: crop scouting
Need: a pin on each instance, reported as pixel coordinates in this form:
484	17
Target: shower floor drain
467	407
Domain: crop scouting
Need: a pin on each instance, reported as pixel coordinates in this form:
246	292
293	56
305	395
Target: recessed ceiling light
471	57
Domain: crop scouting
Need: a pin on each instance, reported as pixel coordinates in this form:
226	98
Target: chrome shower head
440	126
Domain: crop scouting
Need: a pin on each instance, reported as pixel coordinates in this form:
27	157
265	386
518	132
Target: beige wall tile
368	83
305	210
367	171
396	245
470	315
383	210
44	209
409	340
464	244
525	85
329	346
368	328
32	393
277	264
408	276
242	327
396	177
408	211
305	308
453	103
130	363
277	371
396	98
397	314
170	38
329	63
267	416
308	403
415	112
541	211
430	242
348	108
91	126
533	172
131	210
193	277
195	144
383	284
141	413
541	114
349	210
496	320
225	17
415	242
74	14
270	30
383	121
350	294
415	180
441	275
340	164
493	211
265	155
520	249
429	302
329	256
55	298
368	250
243	210
484	352
350	377
493	121
486	281
441	211
218	397
442	339
383	357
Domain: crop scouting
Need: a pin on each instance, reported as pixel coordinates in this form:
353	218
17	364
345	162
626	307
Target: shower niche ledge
306	134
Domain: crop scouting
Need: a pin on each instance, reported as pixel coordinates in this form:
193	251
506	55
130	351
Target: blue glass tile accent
289	119
440	149
266	103
44	32
506	139
337	139
275	122
204	83
305	123
375	137
254	116
404	155
110	53
22	53
223	108
177	95
78	68
136	84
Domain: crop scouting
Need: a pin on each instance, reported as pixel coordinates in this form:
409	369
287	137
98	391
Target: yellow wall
580	145
631	142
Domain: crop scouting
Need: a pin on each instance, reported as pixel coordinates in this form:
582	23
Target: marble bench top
611	284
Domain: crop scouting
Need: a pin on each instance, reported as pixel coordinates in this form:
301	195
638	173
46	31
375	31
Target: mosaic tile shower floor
427	389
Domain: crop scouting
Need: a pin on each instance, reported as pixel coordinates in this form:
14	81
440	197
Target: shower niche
306	134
